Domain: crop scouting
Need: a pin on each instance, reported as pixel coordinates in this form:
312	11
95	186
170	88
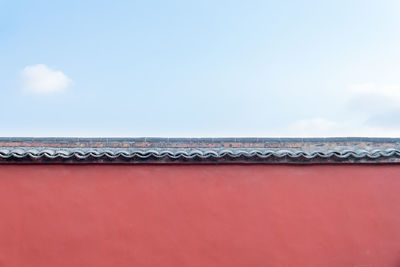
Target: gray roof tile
200	150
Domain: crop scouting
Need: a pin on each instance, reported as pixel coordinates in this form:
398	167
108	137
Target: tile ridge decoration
200	150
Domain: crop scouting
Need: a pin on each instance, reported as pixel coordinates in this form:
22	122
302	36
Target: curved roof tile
200	150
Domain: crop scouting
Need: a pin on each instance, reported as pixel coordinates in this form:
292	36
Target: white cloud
378	105
321	127
371	99
388	91
41	79
369	110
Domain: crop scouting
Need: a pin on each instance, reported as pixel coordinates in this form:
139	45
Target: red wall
225	215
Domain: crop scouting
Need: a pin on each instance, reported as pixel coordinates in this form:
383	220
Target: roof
200	150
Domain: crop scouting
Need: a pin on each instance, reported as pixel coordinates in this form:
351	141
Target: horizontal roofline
209	139
199	150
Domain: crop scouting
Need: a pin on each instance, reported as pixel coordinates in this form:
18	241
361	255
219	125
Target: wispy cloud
374	89
373	110
321	127
40	79
372	99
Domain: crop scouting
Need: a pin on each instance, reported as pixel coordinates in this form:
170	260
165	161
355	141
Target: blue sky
200	68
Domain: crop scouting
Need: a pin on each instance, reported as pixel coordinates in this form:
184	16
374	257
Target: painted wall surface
222	215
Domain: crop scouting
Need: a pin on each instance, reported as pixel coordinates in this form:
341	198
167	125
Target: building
199	202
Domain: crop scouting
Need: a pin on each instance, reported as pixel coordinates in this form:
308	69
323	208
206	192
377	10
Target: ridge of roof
200	150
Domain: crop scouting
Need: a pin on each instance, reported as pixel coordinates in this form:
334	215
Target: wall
222	215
